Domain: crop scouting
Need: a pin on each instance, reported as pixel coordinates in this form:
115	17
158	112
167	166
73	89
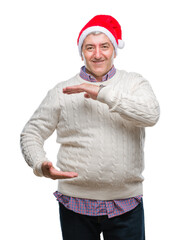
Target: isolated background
37	50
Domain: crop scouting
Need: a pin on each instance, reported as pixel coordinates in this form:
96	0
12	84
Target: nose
97	53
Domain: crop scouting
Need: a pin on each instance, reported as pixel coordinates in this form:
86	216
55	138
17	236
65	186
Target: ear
82	56
114	54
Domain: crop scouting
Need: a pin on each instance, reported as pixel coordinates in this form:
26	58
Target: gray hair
95	33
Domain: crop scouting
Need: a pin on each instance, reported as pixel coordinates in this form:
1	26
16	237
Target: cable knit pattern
102	140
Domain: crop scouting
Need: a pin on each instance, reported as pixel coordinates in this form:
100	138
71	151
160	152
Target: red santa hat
105	24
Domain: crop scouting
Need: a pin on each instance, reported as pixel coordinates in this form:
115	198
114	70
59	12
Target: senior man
100	117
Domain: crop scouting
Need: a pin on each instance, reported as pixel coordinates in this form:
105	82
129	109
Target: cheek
112	56
85	56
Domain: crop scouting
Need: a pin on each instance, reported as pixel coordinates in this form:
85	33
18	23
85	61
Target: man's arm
138	105
91	91
41	125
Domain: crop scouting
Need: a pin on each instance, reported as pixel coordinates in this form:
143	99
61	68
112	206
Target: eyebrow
106	43
90	45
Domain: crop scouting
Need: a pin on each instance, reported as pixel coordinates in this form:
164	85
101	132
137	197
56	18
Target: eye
89	48
105	46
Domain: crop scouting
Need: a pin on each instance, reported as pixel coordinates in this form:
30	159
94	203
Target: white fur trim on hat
120	43
100	29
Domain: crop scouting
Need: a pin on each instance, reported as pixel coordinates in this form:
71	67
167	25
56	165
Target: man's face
98	54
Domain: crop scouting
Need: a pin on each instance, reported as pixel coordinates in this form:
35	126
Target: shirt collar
88	77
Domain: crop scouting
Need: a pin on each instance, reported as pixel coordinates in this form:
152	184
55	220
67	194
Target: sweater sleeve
41	125
136	102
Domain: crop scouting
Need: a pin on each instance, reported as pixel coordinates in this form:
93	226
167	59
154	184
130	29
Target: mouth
98	62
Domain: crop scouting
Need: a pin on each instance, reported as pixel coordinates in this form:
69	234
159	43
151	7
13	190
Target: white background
37	50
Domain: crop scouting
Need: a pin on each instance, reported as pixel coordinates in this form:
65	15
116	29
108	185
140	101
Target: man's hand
91	91
50	172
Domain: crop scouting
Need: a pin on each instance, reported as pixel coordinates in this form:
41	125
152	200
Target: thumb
48	165
86	95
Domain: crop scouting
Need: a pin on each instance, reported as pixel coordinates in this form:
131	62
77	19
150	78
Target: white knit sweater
102	140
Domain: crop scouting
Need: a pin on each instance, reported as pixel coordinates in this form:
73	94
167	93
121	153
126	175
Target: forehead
94	38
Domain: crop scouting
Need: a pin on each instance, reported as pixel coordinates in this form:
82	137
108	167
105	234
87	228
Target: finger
68	174
47	165
63	176
59	174
73	90
73	87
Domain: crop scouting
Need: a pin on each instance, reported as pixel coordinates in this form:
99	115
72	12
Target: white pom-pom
121	43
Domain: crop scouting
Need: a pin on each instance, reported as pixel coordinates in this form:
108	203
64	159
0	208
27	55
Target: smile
98	62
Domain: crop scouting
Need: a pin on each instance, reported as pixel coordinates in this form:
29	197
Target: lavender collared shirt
90	207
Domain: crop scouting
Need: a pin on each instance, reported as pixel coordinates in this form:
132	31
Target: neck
98	78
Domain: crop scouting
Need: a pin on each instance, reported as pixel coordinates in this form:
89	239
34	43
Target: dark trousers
129	226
